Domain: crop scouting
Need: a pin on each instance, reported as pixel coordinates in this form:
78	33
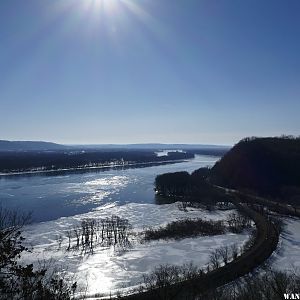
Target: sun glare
109	17
108	6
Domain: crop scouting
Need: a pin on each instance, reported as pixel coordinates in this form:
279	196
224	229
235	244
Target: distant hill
29	146
268	166
156	146
29	156
41	146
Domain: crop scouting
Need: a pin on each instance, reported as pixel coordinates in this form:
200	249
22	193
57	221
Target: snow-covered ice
107	270
287	256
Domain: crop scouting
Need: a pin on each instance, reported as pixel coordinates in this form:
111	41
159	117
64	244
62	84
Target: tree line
104	232
195	187
55	160
179	229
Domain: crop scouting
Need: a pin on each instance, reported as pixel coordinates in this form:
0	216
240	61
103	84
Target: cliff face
269	166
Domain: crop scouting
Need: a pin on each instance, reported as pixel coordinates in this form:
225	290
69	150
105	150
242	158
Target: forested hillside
267	166
30	146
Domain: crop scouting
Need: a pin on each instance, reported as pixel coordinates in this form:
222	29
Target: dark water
49	197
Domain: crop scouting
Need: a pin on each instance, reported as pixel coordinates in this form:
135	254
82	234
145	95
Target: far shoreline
96	168
92	168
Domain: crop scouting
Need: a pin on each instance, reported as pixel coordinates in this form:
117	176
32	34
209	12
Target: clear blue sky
125	71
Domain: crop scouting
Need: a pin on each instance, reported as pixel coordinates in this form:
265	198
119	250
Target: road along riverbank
265	243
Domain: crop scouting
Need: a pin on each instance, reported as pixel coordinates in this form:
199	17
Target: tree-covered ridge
264	166
55	160
268	166
30	146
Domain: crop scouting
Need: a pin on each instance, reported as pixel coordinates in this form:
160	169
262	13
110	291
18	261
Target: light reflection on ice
97	189
75	193
109	181
108	271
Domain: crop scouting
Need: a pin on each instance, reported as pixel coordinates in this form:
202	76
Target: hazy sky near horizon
129	71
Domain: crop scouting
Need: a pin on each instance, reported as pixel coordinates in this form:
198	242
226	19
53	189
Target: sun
110	17
108	6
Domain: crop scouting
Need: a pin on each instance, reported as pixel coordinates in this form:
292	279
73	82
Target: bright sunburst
108	6
110	18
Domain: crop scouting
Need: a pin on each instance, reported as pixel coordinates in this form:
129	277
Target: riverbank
93	168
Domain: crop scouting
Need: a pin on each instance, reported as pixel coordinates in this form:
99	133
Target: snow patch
287	256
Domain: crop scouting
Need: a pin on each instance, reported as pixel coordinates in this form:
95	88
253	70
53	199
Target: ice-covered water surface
107	270
63	201
76	193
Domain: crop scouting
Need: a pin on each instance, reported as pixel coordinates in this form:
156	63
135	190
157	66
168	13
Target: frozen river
49	197
60	202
